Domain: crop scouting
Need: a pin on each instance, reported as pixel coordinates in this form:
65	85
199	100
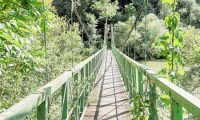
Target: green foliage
106	8
121	30
92	24
166	99
22	62
18	62
184	7
138	2
195	15
155	28
130	9
167	1
141	103
165	11
120	33
171	43
191	53
63	8
63	46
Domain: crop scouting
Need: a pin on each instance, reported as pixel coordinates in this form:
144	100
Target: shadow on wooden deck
110	101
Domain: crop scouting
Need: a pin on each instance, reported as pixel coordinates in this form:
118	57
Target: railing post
76	112
123	71
126	74
64	101
130	80
134	78
95	65
152	107
75	99
87	77
140	84
43	110
82	104
90	66
176	110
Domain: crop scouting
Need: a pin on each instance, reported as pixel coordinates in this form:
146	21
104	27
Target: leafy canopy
107	8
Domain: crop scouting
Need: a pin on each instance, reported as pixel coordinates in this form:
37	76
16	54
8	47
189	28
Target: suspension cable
135	43
72	11
134	25
45	43
145	39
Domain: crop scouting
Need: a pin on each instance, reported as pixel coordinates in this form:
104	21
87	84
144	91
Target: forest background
39	42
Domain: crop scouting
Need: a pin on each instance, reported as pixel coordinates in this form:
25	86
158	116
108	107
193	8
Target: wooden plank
108	99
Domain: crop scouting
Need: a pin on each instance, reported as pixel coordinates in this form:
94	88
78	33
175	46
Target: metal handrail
78	82
133	75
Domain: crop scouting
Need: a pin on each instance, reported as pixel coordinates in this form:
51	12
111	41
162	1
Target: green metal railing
134	74
76	86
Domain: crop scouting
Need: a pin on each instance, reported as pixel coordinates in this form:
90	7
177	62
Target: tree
155	29
171	44
107	10
20	20
191	53
195	15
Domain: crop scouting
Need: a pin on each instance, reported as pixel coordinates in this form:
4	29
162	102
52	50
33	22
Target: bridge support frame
176	111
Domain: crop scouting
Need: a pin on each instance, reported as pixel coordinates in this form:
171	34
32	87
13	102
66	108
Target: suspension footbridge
108	86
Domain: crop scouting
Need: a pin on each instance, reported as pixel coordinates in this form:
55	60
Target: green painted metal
129	71
83	80
75	87
176	110
82	104
64	101
134	77
180	98
152	107
43	110
140	80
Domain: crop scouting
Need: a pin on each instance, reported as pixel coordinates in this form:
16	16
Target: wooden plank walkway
108	100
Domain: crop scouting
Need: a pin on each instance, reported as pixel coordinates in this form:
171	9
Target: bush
191	52
195	15
155	29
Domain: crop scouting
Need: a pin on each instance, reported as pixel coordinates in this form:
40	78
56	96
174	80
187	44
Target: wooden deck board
108	98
